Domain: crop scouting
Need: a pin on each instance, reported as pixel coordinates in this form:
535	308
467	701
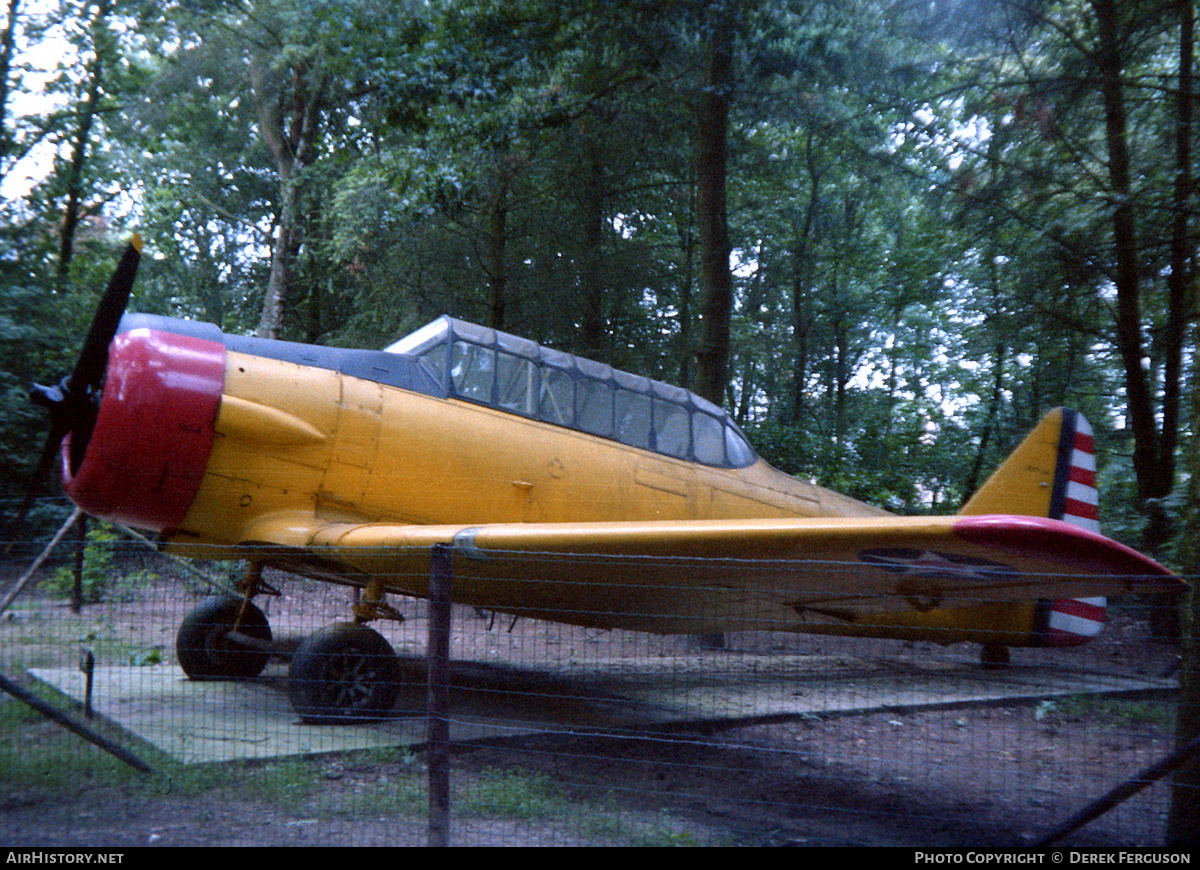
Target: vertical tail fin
1075	498
1052	474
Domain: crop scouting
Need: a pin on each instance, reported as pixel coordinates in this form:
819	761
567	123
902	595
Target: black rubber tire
994	656
344	673
205	652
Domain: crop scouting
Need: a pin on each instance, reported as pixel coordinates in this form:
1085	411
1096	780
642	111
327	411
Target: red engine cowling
147	453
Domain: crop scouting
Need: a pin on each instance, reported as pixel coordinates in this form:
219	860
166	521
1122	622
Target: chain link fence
546	733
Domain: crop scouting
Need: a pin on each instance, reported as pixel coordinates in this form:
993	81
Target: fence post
441	575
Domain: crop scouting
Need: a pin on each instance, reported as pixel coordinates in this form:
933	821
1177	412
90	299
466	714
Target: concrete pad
214	721
199	722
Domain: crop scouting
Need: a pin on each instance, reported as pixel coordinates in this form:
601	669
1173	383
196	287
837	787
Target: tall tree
1183	826
712	216
289	92
96	45
1153	462
8	40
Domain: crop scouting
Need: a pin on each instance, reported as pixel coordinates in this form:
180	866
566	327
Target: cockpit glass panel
558	397
473	371
557	359
417	342
518	346
678	395
516	384
671	431
433	362
738	451
633	383
592	369
708	439
594	407
633	419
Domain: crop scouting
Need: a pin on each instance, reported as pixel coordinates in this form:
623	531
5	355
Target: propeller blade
72	403
89	368
45	463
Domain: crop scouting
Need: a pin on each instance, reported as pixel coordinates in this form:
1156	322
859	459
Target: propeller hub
50	398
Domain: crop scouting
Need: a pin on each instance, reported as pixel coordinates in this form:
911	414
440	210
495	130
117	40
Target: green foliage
35	347
1108	713
917	207
146	658
41	759
101	578
511	796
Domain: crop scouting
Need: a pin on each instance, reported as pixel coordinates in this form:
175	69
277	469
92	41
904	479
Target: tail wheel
344	673
207	652
994	656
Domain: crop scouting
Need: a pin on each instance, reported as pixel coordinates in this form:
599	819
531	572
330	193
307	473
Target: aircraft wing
768	574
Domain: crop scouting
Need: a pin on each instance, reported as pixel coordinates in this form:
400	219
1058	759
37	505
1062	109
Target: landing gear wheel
994	656
344	673
205	650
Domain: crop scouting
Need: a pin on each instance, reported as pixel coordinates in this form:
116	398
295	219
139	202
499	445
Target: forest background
887	235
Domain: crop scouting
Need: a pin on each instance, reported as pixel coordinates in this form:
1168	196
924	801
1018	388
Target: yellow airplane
565	490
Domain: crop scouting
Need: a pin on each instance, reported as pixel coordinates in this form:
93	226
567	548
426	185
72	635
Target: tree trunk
81	140
1183	826
282	248
1182	267
755	301
687	246
841	368
497	239
716	292
591	283
1153	451
288	122
999	353
802	285
989	423
7	46
1154	471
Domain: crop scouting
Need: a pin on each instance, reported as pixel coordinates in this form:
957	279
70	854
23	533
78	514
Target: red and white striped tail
1080	499
1076	500
1074	621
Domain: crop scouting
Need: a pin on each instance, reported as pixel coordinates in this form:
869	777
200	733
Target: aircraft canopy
512	374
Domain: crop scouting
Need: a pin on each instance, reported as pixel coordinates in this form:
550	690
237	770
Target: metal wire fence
556	734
